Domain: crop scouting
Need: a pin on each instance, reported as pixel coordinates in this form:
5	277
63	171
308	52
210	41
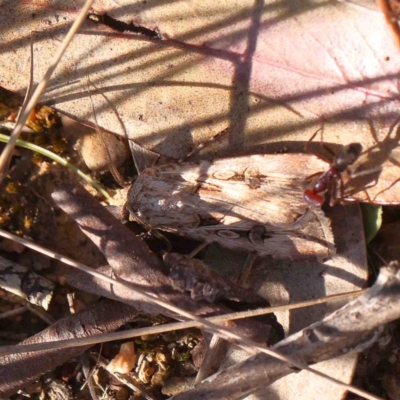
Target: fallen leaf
269	72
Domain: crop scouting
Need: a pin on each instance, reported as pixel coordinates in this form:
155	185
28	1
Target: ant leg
373	132
374	135
306	148
332	153
368	196
246	270
371	184
327	149
311	139
200	247
388	188
334	200
310	177
341	188
370	171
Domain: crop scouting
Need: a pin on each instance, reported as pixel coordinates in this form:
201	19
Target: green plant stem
58	159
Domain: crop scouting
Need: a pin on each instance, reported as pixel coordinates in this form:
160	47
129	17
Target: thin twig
30	84
40	313
85	361
12	313
154	330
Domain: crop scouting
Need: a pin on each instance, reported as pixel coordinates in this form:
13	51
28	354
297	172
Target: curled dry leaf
145	370
25	283
125	360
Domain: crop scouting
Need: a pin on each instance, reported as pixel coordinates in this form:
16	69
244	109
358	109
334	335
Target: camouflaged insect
249	203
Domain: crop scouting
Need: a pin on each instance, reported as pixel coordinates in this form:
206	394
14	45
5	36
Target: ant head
348	155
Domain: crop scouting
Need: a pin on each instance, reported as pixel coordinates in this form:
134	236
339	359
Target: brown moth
251	203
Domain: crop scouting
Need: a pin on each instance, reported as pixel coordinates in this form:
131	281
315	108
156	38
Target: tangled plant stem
58	159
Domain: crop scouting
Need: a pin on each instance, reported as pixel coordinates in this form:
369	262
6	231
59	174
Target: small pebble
392	359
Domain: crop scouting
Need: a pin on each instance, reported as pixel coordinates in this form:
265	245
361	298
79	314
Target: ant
327	181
